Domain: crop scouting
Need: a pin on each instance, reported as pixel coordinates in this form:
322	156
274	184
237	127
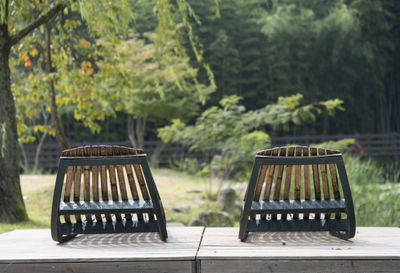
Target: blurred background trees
103	71
258	50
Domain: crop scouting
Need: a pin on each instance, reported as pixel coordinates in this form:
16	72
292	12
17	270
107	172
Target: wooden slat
103	177
142	183
95	180
270	177
306	175
317	183
325	183
132	183
121	181
77	182
278	181
335	183
288	179
68	185
86	180
113	180
297	181
260	183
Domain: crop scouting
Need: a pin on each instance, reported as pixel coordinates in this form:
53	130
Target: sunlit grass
177	190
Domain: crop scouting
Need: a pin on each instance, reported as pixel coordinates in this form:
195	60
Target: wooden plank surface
369	243
290	266
98	267
27	246
372	250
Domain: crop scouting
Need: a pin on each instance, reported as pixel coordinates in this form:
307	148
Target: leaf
34	52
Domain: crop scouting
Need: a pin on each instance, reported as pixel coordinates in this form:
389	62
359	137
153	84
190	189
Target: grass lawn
182	196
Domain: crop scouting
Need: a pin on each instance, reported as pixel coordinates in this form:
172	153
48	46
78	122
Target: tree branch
53	12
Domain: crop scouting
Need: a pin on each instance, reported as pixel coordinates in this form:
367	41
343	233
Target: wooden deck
33	251
372	250
190	250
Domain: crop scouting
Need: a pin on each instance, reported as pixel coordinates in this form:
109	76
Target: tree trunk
136	131
38	150
140	130
25	165
12	207
58	127
131	131
156	153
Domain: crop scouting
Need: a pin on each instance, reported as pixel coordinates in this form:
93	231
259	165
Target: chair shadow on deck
116	240
294	239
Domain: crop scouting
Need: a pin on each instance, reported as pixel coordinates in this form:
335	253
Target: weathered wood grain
369	243
297	181
278	181
95	180
325	183
269	180
306	176
99	267
36	246
104	181
288	180
317	183
290	266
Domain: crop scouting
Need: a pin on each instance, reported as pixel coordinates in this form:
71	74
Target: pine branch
53	12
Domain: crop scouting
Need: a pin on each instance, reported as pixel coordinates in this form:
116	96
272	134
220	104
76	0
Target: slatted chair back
298	189
105	189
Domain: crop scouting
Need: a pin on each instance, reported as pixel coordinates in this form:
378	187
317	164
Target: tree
33	117
150	82
101	17
234	134
12	206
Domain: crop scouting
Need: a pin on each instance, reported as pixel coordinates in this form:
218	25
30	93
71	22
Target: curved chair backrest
298	188
105	184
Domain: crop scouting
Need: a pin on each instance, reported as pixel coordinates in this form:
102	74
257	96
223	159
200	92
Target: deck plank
372	250
142	252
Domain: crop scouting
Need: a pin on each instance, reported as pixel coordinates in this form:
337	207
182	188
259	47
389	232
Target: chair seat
297	206
101	207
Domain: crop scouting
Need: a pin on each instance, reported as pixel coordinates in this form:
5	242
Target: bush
376	199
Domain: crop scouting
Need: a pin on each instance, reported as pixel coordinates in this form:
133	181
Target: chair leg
243	236
66	238
340	234
244	217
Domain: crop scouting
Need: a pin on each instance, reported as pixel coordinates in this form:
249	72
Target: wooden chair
89	172
308	174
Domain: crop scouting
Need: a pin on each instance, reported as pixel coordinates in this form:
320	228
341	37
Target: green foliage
375	197
228	135
338	145
260	50
149	83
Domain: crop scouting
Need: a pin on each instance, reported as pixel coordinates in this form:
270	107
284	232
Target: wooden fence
368	145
